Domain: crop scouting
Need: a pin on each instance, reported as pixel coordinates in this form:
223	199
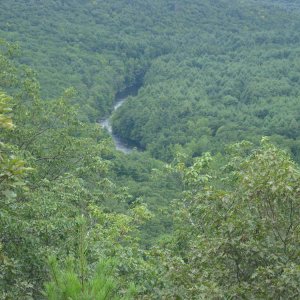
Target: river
106	123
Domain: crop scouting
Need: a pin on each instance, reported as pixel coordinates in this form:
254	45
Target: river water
106	123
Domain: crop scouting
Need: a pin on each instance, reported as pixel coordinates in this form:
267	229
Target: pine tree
74	282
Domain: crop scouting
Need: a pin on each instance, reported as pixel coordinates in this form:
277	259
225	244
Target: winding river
106	123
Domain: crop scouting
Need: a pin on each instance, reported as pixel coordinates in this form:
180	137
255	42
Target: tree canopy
203	207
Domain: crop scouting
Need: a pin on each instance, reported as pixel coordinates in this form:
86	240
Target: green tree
237	233
77	282
12	182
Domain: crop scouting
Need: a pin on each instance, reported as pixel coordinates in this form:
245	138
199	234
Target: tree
77	281
239	236
12	172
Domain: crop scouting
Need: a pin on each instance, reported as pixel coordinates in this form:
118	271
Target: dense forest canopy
212	72
204	207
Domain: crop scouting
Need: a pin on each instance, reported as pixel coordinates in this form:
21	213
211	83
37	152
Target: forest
205	205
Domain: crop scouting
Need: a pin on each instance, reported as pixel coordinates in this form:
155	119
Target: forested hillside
212	73
232	78
206	205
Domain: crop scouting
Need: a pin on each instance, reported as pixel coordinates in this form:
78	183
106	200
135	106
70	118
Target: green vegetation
230	78
206	208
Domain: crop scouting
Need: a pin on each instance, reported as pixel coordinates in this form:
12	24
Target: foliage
242	240
12	172
68	176
67	284
209	73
